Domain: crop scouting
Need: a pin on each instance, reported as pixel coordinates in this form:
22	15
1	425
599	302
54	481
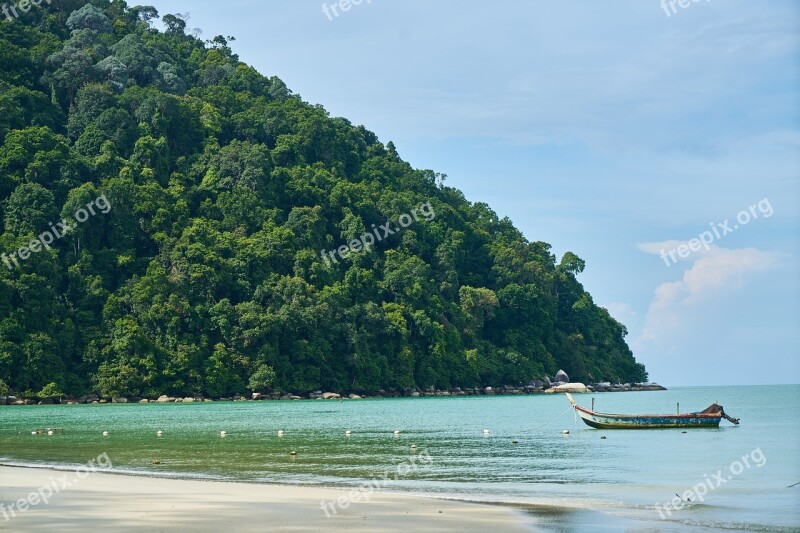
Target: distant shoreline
319	395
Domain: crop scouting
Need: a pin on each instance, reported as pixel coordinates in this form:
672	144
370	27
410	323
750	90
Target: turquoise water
608	482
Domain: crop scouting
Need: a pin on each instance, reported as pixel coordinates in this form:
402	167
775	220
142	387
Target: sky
660	144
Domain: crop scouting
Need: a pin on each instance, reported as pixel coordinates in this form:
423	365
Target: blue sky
609	129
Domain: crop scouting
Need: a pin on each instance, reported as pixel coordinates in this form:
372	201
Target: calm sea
607	484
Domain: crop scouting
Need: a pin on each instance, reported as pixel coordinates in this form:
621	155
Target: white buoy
223	433
280	433
105	433
413	446
348	432
50	432
159	433
396	432
34	433
565	432
486	431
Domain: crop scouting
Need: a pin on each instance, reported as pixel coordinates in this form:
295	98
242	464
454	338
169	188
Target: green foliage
51	390
89	17
262	379
206	277
3	388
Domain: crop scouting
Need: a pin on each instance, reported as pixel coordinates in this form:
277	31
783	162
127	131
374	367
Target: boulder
562	376
188	400
164	399
568	387
295	397
354	397
488	390
144	400
119	399
331	396
257	395
415	394
315	395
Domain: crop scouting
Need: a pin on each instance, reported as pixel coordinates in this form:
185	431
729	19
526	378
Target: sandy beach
108	502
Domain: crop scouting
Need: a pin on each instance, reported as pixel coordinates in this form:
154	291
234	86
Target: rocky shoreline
506	390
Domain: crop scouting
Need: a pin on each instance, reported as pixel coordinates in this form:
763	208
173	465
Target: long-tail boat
707	418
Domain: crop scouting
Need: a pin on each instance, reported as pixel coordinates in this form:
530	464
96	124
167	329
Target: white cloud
665	247
715	273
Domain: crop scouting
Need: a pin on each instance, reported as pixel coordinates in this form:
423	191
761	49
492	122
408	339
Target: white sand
105	502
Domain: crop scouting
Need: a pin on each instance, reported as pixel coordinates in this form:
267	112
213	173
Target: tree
51	390
30	210
35	155
91	100
89	17
114	71
222	372
145	13
21	107
170	79
572	264
176	24
262	379
478	305
73	68
140	58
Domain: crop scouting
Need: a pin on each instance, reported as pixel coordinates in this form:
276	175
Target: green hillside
173	222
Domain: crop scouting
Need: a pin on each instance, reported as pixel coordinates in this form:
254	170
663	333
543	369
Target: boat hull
608	421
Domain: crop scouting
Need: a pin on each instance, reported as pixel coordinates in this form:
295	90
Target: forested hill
210	219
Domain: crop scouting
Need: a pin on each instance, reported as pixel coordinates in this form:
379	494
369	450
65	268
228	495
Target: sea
528	452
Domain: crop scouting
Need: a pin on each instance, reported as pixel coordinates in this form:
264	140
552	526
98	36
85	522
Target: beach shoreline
112	502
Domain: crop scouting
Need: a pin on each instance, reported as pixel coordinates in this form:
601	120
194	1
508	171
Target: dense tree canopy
205	277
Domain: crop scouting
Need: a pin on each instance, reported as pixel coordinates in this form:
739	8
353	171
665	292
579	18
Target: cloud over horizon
714	273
